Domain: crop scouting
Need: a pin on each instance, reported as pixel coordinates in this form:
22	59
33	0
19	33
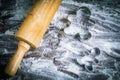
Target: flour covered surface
81	43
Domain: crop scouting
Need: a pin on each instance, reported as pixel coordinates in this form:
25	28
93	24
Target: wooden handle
15	61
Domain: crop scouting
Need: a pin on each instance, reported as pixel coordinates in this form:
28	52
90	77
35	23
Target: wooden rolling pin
32	30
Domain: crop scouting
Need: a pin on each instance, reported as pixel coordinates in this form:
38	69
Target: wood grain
32	30
37	21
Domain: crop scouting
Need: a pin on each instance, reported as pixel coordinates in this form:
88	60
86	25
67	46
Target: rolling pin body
37	21
32	30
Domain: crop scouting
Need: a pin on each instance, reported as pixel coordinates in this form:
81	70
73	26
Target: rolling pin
32	30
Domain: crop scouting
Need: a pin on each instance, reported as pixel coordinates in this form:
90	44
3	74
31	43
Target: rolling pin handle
15	61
